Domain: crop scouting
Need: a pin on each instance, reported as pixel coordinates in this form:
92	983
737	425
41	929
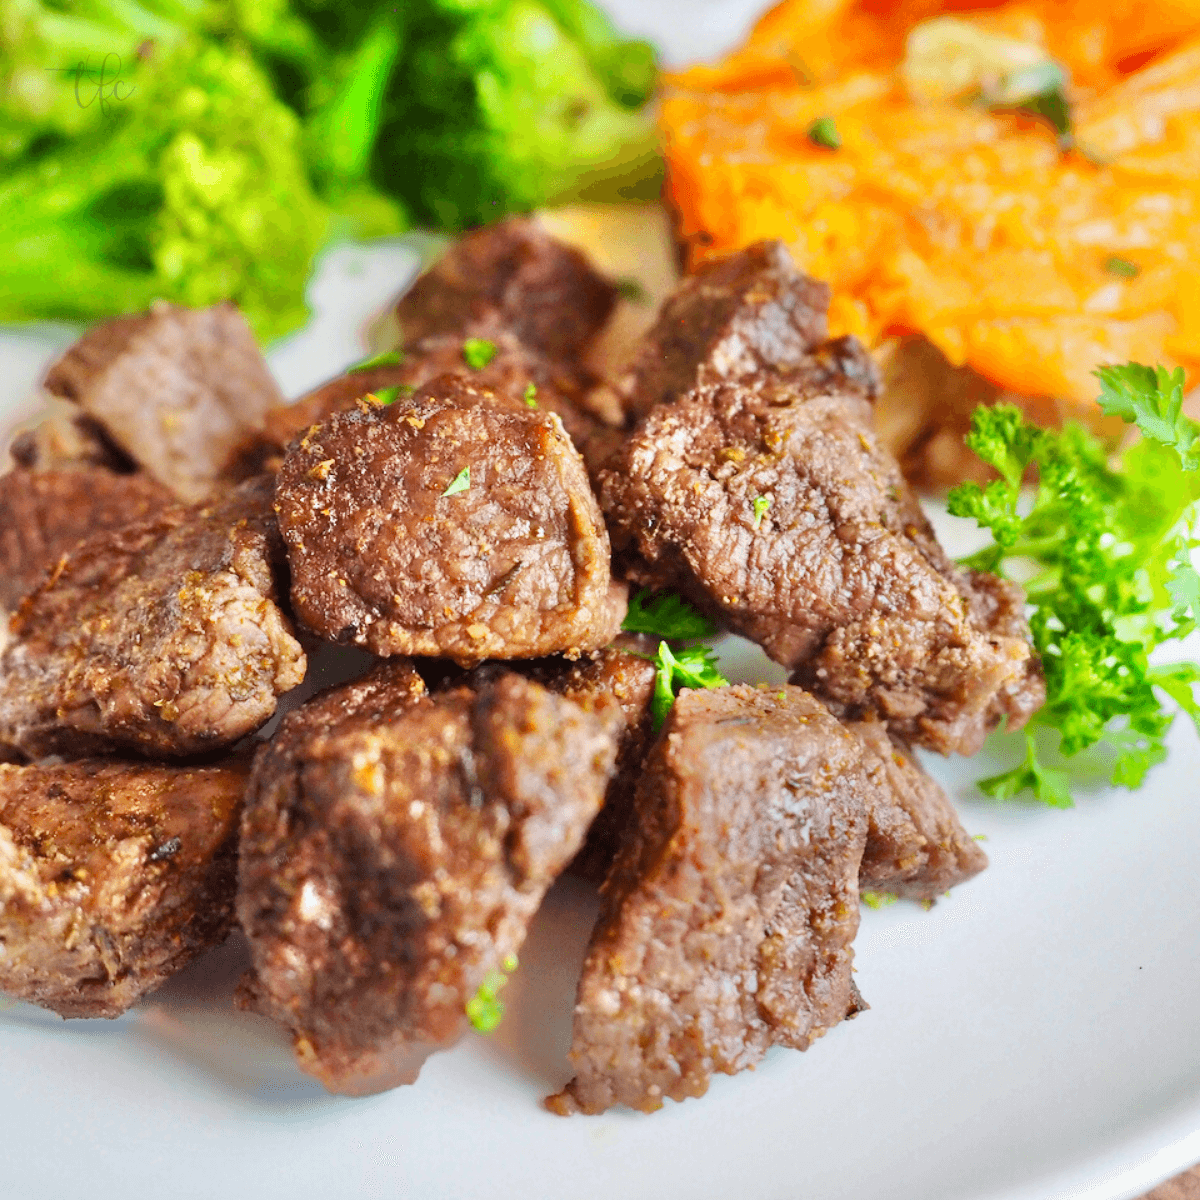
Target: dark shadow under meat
456	523
113	876
163	637
394	849
730	910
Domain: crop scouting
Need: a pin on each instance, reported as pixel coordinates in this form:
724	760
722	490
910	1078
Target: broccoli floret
194	191
497	107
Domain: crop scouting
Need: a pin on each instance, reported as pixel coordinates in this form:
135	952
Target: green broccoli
193	189
503	106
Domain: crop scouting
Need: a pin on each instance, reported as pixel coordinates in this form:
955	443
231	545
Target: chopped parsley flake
824	132
877	899
389	358
761	504
478	352
665	615
485	1010
695	667
388	395
1113	545
459	483
1116	265
531	396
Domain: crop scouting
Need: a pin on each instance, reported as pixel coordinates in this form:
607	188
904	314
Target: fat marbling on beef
162	637
769	501
394	849
113	876
730	910
456	522
177	389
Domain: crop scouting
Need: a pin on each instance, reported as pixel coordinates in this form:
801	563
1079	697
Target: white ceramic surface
1033	1036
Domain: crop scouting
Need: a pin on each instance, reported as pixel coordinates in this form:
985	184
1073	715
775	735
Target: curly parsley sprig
1110	546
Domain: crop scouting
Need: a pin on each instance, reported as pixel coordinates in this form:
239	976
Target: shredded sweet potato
1030	263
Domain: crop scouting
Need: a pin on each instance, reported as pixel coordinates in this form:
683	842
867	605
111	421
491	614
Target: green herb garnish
1116	265
761	504
389	358
531	396
478	352
824	132
631	290
459	483
1111	547
666	615
388	395
485	1010
877	899
695	667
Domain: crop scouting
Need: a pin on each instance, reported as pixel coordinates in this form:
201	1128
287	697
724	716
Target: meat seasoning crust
730	910
394	849
162	637
457	524
113	876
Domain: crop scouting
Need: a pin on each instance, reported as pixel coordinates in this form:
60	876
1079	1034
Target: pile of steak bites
177	539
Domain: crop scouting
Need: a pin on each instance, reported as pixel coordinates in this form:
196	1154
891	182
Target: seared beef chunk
734	318
511	277
394	849
43	514
771	503
177	389
730	910
454	523
113	876
621	670
916	845
161	637
556	388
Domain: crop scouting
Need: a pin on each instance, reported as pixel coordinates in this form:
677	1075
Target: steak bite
771	503
162	637
456	523
916	845
177	389
511	277
734	318
66	440
113	876
43	514
394	850
730	910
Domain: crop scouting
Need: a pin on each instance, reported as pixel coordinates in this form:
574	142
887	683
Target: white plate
1035	1035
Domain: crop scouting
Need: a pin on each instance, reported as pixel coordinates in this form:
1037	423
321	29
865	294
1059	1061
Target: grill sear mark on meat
916	844
163	637
730	910
393	548
394	849
179	390
511	277
771	503
735	317
113	876
44	514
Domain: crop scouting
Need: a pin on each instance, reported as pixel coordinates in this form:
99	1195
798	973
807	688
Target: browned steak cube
394	849
66	440
916	845
162	637
512	371
622	670
730	910
511	277
177	389
454	523
113	876
735	317
43	514
771	503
